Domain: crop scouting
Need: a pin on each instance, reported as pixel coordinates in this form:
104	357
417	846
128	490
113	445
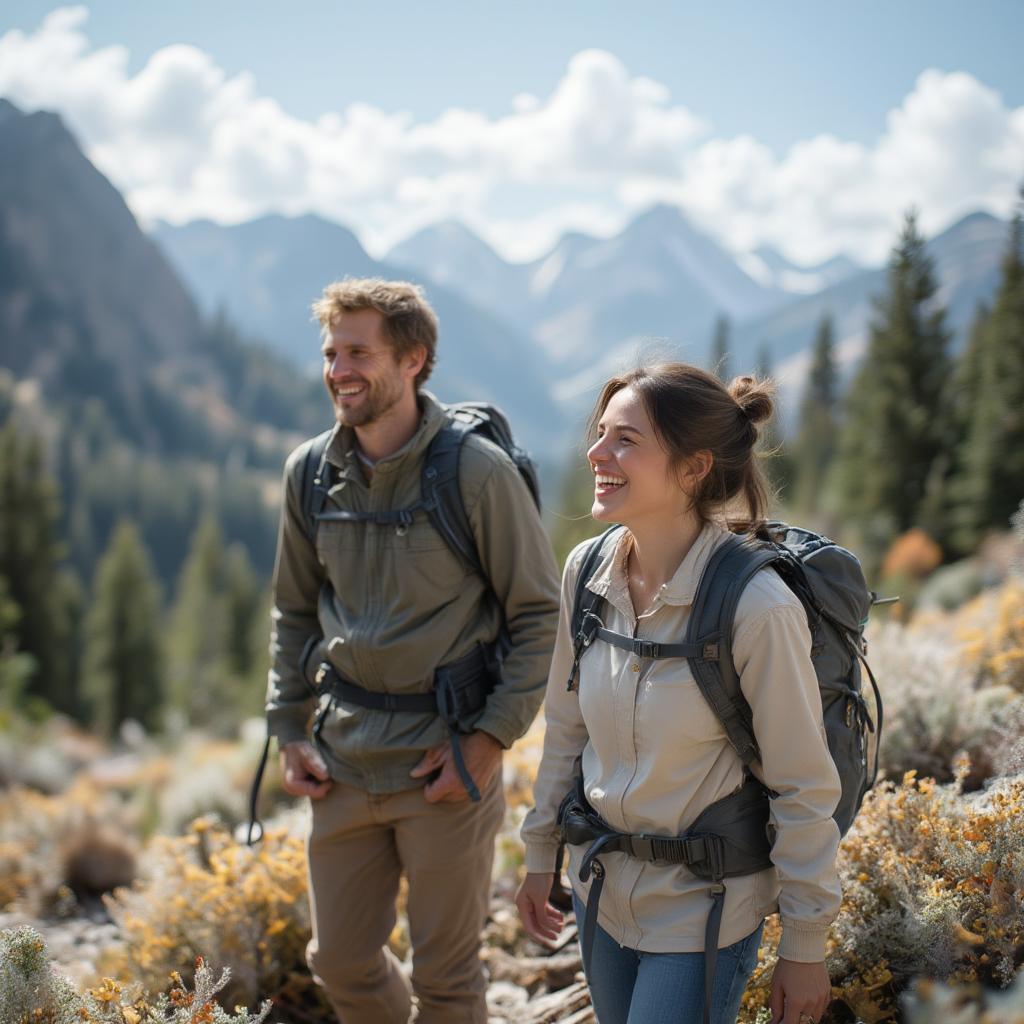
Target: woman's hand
799	989
541	921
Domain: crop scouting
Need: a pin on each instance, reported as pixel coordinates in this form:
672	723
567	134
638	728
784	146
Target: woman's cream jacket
654	756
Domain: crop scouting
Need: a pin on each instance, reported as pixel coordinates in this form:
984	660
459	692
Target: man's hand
304	771
482	754
799	991
541	920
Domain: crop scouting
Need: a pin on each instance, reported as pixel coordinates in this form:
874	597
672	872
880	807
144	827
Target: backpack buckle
588	629
646	648
710	652
321	677
642	847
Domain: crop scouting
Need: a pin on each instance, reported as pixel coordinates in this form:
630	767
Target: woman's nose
596	451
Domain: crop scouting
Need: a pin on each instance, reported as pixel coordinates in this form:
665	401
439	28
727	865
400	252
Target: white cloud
183	139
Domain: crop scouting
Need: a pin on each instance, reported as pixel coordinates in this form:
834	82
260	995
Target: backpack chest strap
592	628
656	651
401	517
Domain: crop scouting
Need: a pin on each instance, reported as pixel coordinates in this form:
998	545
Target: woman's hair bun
754	397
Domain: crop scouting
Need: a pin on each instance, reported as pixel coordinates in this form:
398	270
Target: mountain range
592	304
89	304
265	274
147	410
547	332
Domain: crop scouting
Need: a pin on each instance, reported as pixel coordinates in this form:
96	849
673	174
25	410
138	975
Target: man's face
361	373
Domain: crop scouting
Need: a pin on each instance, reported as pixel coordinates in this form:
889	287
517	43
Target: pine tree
211	655
242	596
771	446
720	350
969	371
967	394
30	557
248	613
198	662
258	661
123	673
895	422
817	429
16	667
991	465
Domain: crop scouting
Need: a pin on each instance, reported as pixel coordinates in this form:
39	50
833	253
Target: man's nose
338	368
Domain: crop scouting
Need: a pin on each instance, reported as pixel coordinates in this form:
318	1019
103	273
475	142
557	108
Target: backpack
440	498
830	584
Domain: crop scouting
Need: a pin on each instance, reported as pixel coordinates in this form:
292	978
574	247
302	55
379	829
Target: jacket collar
341	446
610	580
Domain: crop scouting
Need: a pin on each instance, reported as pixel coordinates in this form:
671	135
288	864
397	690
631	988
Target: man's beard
380	398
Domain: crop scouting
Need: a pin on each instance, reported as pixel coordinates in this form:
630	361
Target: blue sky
755	80
779	71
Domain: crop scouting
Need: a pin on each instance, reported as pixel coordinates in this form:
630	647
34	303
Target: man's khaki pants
359	845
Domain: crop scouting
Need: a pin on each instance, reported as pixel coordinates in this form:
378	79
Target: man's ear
413	361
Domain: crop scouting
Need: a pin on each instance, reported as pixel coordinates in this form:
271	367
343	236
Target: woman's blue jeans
628	986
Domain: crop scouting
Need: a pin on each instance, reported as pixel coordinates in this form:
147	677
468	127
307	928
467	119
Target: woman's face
633	480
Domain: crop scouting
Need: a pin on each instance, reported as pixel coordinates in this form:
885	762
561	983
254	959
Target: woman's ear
696	467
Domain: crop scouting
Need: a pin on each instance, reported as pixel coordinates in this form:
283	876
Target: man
395	611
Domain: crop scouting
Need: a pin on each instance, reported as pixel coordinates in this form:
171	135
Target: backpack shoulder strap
585	602
729	570
442	497
489	421
315	481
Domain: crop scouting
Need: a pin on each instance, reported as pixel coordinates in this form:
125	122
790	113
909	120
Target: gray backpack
830	584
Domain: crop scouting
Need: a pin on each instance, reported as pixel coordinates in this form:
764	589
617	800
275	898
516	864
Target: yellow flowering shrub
933	885
930	1002
246	908
994	649
52	847
32	991
933	712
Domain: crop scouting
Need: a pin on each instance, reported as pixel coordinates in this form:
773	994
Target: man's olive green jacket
394	603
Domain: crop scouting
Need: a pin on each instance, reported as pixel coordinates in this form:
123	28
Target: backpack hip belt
730	837
461	688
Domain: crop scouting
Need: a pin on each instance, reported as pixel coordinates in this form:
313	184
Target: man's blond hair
409	321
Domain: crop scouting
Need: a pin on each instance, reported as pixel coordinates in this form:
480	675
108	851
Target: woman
673	459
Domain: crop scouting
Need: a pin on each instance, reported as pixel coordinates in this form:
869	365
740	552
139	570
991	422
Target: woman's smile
608	483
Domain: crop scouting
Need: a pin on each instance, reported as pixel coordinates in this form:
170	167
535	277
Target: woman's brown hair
691	410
